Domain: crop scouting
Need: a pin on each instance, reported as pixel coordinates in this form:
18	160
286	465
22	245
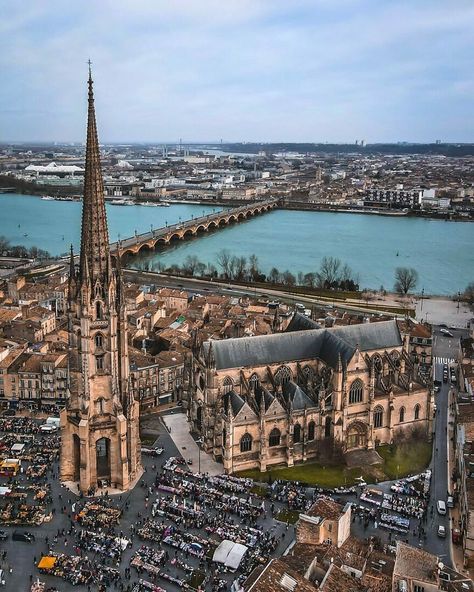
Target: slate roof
236	402
325	344
301	322
268	398
294	393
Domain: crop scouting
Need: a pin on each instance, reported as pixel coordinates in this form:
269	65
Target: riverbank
295	241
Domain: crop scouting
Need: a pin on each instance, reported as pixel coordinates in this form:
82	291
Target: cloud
240	69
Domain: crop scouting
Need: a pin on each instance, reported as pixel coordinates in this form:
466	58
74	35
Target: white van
441	506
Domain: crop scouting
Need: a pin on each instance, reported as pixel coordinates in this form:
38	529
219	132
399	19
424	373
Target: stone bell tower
100	424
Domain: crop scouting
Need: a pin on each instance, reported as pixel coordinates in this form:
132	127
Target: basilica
280	399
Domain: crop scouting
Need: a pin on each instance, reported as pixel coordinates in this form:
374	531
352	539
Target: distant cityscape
425	183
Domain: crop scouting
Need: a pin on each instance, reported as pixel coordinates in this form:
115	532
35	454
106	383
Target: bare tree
190	264
406	279
274	276
233	267
288	278
253	267
469	293
223	260
329	271
211	270
240	267
300	278
309	279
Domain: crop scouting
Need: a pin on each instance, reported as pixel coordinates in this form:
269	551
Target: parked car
441	507
152	451
25	537
446	332
450	501
9	412
3	535
441	531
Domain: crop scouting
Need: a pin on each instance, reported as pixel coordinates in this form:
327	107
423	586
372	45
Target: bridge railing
163	231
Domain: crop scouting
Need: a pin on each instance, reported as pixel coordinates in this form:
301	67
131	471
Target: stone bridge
149	240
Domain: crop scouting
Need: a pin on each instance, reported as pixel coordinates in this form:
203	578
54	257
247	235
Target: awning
230	554
47	562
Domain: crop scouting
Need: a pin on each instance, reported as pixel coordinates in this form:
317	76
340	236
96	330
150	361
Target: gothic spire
95	255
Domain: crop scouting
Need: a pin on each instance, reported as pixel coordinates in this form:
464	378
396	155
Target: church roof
324	344
300	322
294	393
236	402
268	398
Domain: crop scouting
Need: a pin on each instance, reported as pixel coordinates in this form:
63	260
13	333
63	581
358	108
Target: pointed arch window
417	411
98	310
228	384
296	433
99	363
253	382
356	391
308	374
99	340
246	443
378	417
283	375
274	438
311	430
402	415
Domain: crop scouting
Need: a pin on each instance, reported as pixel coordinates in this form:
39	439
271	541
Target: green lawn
405	459
310	473
399	461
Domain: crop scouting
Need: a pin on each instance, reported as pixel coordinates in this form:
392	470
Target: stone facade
283	398
100	424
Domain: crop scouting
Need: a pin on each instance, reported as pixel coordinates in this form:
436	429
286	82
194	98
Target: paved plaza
178	428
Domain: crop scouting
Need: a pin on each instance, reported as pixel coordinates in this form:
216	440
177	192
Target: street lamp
422	294
199	442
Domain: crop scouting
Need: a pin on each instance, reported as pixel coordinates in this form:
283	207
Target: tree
300	278
240	267
191	264
329	271
309	279
406	279
4	244
223	260
469	293
288	278
274	275
253	267
211	270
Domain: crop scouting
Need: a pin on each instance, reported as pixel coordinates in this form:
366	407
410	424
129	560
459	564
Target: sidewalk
178	428
456	551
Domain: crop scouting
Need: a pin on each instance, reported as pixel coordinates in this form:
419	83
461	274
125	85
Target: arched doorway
356	436
199	417
102	451
76	452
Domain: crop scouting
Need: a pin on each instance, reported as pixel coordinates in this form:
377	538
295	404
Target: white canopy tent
229	554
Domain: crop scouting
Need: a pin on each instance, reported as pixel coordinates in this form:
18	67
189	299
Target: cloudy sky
255	70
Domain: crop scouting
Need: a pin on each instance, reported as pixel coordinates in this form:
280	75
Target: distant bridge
147	241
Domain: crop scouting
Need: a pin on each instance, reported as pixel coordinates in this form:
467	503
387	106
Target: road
445	350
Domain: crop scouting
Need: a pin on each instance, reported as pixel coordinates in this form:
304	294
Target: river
442	252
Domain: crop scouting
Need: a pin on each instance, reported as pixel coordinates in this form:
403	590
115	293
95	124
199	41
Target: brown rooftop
325	507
